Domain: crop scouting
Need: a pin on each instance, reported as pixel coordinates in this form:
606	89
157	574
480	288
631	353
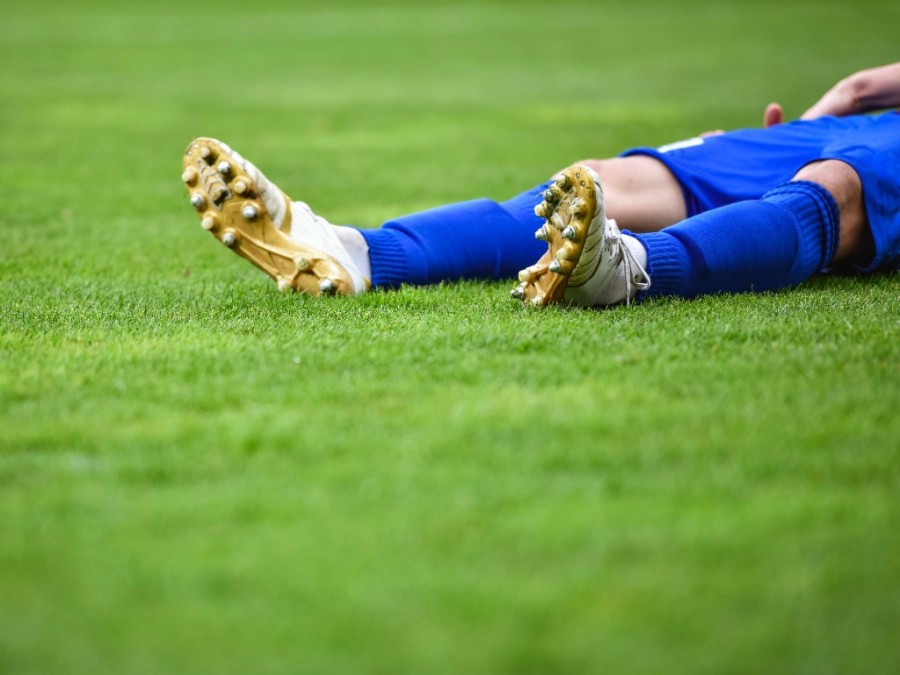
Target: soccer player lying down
747	210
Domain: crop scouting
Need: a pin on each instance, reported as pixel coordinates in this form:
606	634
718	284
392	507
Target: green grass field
200	475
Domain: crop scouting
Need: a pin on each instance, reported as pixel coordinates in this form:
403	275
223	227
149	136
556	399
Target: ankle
357	248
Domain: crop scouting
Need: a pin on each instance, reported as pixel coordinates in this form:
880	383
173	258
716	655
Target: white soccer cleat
588	261
250	215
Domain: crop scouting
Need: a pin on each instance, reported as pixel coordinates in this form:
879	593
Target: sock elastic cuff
666	262
816	207
386	257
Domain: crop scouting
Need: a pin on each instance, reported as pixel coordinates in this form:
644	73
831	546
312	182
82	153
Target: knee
855	240
839	178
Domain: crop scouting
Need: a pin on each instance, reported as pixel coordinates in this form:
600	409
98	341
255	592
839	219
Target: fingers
773	115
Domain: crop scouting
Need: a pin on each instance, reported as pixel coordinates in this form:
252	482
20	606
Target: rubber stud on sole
553	195
219	194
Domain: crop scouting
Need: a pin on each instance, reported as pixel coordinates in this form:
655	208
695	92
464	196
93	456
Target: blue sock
476	239
786	236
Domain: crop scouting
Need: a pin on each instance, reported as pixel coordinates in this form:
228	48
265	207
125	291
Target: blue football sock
476	239
779	240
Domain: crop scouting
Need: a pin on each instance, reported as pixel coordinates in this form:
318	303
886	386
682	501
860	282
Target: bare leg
642	195
855	243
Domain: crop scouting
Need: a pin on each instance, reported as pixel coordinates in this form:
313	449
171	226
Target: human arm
864	91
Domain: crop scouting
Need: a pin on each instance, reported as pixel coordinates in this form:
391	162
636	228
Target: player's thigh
641	193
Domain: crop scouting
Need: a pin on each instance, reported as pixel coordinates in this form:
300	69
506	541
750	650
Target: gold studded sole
231	209
568	207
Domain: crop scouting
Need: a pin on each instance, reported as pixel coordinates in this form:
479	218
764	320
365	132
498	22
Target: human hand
862	92
833	103
840	100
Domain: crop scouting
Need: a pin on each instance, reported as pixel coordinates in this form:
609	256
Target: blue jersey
718	170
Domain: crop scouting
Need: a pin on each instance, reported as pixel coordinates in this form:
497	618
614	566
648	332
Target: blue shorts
745	164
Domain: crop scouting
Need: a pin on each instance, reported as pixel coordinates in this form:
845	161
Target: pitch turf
198	474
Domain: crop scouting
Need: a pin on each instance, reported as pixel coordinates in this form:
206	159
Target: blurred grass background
198	474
